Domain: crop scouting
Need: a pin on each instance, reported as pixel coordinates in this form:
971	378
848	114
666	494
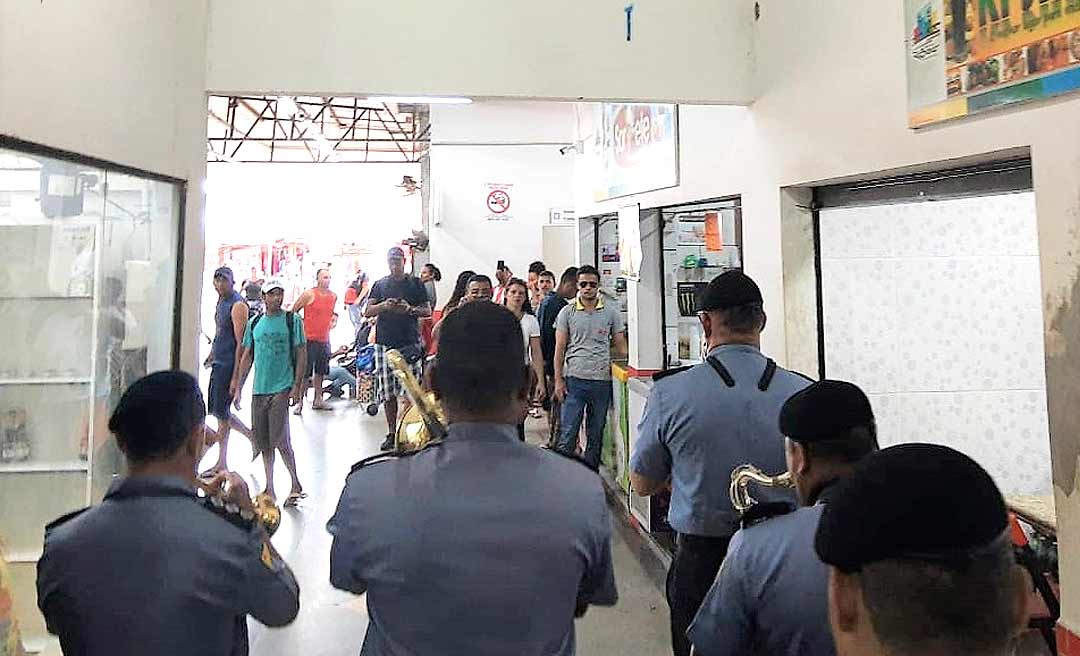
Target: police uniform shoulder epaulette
388	456
763	512
661	375
232	514
576	458
63	519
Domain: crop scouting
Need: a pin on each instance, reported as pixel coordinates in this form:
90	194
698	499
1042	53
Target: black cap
923	502
826	410
727	290
224	272
395	252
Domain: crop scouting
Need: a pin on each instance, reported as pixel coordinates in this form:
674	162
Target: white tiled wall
934	308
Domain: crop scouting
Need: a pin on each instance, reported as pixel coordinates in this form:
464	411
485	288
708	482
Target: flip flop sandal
294	499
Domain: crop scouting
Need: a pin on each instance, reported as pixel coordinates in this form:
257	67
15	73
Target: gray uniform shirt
588	344
151	570
478	546
770	597
696	430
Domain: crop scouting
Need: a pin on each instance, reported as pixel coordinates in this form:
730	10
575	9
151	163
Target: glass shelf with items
700	242
85	254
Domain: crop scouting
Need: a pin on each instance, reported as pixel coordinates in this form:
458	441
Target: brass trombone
424	422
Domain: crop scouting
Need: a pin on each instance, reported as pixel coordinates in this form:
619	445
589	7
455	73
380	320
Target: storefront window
87	295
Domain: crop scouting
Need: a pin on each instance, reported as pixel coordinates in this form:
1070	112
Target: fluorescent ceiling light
421	100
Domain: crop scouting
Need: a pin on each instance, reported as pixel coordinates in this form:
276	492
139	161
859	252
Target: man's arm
241	374
621	349
300	348
378	304
351	533
597	587
305	299
239	322
421	311
246	353
650	464
561	339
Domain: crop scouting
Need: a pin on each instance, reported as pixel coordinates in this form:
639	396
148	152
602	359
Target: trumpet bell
267	513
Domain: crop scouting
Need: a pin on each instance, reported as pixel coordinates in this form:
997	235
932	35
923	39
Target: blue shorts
218	398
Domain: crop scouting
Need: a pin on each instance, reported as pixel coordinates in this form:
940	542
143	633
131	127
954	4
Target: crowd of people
484	544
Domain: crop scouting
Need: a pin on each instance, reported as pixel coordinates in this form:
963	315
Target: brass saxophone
741	478
424	422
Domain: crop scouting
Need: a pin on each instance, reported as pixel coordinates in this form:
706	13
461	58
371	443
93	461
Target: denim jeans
591	399
339	378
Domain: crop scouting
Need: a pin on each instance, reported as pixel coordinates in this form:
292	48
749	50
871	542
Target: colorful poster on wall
968	56
634	149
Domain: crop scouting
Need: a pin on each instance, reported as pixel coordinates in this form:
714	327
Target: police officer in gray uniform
479	544
154	569
920	558
771	594
702	422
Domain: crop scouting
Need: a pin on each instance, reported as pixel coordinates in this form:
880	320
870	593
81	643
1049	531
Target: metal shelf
45	381
44	467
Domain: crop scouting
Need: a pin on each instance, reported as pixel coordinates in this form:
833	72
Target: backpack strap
254	322
292	349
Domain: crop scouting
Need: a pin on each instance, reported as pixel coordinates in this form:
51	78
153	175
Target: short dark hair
588	270
480	277
848	449
741	319
156	415
480	366
320	270
537	267
547	274
435	273
570	275
966	608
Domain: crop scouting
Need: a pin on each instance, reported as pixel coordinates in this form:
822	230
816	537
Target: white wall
832	104
561	49
120	80
504	143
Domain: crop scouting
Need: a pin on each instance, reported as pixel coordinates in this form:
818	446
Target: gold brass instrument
424	422
741	478
267	513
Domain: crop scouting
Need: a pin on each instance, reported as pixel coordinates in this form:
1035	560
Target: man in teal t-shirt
279	367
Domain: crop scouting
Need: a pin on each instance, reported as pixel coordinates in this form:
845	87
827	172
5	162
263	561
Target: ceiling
314	129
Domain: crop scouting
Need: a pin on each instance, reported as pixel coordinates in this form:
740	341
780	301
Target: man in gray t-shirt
583	333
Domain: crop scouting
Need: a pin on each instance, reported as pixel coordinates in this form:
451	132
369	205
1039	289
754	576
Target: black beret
727	290
826	410
922	502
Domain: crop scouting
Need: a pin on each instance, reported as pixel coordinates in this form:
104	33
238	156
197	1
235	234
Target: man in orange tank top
318	305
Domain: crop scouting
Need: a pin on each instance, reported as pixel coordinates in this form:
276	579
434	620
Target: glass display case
88	291
699	242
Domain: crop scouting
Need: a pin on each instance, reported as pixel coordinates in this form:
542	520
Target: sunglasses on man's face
586	284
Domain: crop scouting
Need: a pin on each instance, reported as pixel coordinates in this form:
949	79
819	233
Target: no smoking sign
498	201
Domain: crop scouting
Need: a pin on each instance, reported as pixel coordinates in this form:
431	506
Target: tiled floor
332	623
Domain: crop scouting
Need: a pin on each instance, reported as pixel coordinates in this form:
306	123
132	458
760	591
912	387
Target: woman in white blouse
517	301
